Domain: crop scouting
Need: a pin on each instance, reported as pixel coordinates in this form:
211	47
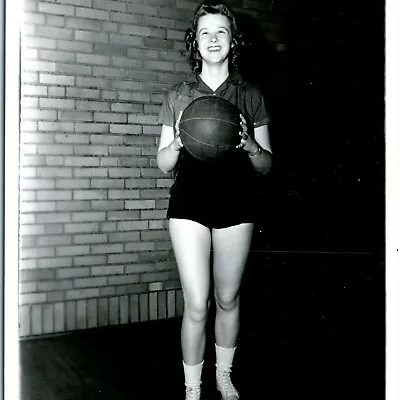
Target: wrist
256	152
174	147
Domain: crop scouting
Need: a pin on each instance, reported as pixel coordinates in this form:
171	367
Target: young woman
212	204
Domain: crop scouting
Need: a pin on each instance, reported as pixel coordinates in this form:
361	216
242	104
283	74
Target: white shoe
193	392
225	386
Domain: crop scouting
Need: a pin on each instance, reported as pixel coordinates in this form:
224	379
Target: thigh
191	243
231	247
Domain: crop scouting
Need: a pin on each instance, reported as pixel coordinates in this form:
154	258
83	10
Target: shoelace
193	392
225	385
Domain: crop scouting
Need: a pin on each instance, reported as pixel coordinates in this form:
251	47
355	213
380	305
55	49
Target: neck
214	76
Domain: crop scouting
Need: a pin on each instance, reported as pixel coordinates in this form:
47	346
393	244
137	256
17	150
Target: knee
197	311
227	302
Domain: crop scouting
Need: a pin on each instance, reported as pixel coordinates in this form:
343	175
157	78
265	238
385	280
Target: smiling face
214	38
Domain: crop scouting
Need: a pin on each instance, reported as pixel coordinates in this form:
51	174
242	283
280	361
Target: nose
213	37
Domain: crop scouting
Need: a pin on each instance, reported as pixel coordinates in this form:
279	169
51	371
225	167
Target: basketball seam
208	119
208	144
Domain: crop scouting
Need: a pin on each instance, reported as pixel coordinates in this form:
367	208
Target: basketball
209	128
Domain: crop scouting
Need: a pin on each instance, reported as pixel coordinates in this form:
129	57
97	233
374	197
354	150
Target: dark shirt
235	176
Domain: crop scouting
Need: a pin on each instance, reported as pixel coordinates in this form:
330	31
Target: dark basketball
209	128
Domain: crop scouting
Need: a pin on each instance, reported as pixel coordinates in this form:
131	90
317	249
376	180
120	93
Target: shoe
225	386
193	392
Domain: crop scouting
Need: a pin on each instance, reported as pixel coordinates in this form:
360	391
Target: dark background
325	93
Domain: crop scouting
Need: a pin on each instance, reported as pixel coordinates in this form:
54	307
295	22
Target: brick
107	270
83	161
122	215
162	305
92	13
91	194
88	216
83	3
56	126
140	183
89	260
56	103
124	309
66	273
92	313
123	194
107	205
73	138
53	161
113	310
139	268
109	27
96	83
31	230
134	308
54	240
81	293
55	296
171	308
122	258
90	282
107	183
108	227
82	93
123	279
153	306
37	252
123	172
90	238
36	275
70	315
179	303
154	235
55	8
36	320
144	307
72	250
55	20
81	314
90	172
109	117
55	285
37	42
73	69
99	48
92	37
59	317
126	129
62	80
84	24
27	287
109	5
84	227
139	204
103	312
108	248
107	291
54	262
123	84
32	298
39	114
73	205
52	218
139	246
123	237
131	41
24	321
142	9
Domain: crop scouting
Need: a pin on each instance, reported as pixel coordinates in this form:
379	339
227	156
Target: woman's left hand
247	143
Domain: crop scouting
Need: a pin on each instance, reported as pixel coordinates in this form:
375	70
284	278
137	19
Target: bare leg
230	248
191	242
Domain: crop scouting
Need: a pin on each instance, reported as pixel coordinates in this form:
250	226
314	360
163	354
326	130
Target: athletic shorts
213	210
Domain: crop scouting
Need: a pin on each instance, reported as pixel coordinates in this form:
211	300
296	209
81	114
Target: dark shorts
213	211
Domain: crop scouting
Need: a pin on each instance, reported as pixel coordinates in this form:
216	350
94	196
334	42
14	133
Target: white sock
193	373
224	356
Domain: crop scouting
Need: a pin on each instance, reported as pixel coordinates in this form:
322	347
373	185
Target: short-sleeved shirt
215	185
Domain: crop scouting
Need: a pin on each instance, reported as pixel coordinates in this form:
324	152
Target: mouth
214	48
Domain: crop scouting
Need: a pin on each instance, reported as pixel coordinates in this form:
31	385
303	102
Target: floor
312	328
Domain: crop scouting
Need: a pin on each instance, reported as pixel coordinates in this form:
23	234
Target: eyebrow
220	27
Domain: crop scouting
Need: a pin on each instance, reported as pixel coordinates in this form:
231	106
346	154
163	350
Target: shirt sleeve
166	114
256	107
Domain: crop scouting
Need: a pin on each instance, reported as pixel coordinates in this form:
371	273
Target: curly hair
192	53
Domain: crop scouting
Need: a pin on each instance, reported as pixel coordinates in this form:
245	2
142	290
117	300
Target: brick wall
94	249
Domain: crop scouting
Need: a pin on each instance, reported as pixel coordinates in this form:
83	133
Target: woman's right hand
177	144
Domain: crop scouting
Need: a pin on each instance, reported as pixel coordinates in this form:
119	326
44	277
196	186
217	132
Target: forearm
261	160
167	158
